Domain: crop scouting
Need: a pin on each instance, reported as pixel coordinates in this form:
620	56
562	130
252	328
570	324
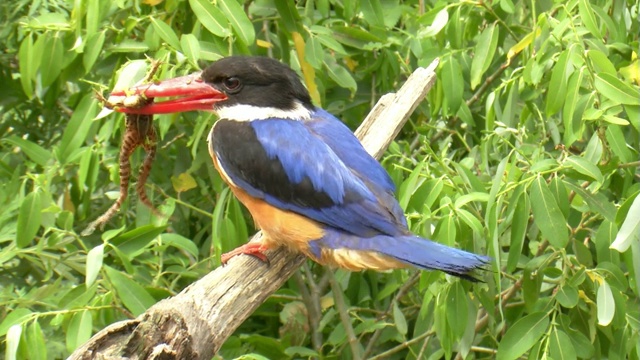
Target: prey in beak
190	93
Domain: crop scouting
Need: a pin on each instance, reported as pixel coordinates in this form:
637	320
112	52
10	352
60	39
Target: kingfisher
307	181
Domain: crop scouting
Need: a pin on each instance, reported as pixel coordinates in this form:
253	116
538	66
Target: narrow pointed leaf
239	21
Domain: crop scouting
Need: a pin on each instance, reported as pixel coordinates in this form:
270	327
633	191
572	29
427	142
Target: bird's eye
231	84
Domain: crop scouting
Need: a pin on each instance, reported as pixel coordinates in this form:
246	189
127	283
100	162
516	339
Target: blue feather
349	149
410	249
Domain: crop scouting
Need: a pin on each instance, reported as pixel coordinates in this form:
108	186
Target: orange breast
281	227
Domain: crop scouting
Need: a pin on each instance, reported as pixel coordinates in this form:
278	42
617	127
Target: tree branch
195	323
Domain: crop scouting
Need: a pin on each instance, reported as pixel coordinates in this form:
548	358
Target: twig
356	349
401	292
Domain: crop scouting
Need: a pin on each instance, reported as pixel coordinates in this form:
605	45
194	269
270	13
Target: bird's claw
253	249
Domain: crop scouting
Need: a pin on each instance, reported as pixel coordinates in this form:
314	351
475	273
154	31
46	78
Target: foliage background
526	150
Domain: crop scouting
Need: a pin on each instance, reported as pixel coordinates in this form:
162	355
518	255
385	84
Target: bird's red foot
254	249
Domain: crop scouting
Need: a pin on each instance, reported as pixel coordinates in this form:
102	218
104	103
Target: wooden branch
195	323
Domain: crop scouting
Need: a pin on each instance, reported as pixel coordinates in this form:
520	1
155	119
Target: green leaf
211	17
522	336
605	303
165	32
129	46
239	21
567	296
571	111
190	47
618	144
301	351
340	75
598	202
484	52
601	62
584	167
616	90
26	61
29	219
133	296
289	15
440	20
132	243
325	36
547	214
556	94
372	12
35	342
94	264
313	52
53	52
180	242
630	228
354	36
560	346
588	18
457	309
35	152
79	329
519	225
453	84
14	317
399	319
75	133
92	50
471	221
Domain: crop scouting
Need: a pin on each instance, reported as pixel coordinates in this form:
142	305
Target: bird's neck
242	112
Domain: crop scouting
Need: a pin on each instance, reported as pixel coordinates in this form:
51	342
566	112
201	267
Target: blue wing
349	149
329	186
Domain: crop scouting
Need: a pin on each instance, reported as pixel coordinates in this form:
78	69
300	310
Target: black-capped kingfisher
302	174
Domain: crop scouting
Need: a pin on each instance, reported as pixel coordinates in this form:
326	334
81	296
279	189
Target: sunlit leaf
606	304
13	340
94	264
630	228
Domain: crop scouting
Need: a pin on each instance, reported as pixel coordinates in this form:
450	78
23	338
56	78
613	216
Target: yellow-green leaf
183	182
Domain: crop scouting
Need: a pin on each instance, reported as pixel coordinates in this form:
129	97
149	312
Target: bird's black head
236	87
257	81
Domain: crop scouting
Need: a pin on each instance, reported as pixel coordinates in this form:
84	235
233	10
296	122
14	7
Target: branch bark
195	323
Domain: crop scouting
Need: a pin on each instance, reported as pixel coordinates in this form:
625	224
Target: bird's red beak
192	92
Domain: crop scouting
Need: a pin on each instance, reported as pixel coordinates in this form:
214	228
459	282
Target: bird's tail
408	249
